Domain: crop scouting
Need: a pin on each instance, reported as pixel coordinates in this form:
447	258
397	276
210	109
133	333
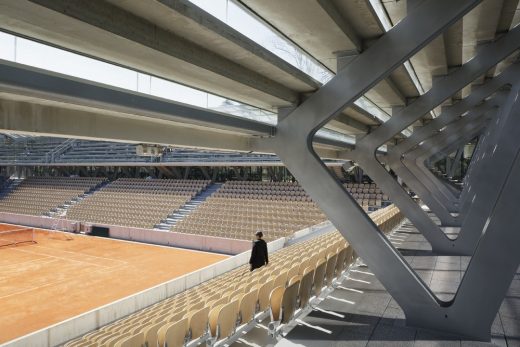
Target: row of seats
39	195
263	190
140	203
240	218
226	305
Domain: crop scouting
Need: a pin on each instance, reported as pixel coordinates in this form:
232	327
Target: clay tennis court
64	275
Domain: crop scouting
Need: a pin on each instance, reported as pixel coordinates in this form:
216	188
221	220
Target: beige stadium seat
80	343
331	269
283	305
305	291
150	333
264	290
136	340
198	322
222	320
280	280
173	334
293	271
247	306
340	261
319	276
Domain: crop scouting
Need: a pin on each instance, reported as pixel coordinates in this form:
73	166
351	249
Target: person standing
259	256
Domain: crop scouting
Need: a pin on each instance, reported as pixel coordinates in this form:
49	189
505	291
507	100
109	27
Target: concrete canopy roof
176	40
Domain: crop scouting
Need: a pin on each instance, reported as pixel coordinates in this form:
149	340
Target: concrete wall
168	238
38	221
62	332
165	238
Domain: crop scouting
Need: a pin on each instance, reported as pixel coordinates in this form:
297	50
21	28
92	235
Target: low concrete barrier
69	329
158	237
39	221
169	238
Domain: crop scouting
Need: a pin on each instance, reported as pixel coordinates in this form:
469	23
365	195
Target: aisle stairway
187	208
9	186
60	212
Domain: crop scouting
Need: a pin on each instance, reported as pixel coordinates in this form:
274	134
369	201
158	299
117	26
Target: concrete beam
331	9
108	32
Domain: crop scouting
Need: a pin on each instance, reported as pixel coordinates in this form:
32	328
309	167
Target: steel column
293	144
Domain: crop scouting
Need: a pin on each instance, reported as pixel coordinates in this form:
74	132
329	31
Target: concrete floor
361	312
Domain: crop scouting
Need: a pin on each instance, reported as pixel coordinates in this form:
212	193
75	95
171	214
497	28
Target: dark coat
259	255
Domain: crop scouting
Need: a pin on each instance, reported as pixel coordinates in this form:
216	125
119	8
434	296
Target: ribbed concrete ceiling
176	40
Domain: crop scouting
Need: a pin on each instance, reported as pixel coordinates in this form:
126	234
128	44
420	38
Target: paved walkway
362	313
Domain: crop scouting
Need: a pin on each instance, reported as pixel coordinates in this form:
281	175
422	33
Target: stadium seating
102	151
222	306
28	149
139	203
367	195
38	195
240	208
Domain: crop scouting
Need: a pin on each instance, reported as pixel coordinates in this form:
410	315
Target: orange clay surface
64	275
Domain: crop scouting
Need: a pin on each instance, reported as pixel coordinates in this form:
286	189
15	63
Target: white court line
69	259
39	287
17	266
80	254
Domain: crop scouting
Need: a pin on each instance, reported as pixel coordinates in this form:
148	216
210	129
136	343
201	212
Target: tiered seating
223	306
368	195
30	150
134	202
37	195
238	209
101	151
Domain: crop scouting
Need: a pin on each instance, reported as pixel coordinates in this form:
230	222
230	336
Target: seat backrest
340	261
247	306
294	279
275	302
319	276
280	280
150	333
264	290
226	320
221	301
198	322
175	317
305	291
173	334
289	301
293	271
136	340
331	268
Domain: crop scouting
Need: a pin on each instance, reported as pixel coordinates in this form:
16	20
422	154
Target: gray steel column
293	144
448	115
429	185
432	197
444	87
456	163
414	160
421	184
